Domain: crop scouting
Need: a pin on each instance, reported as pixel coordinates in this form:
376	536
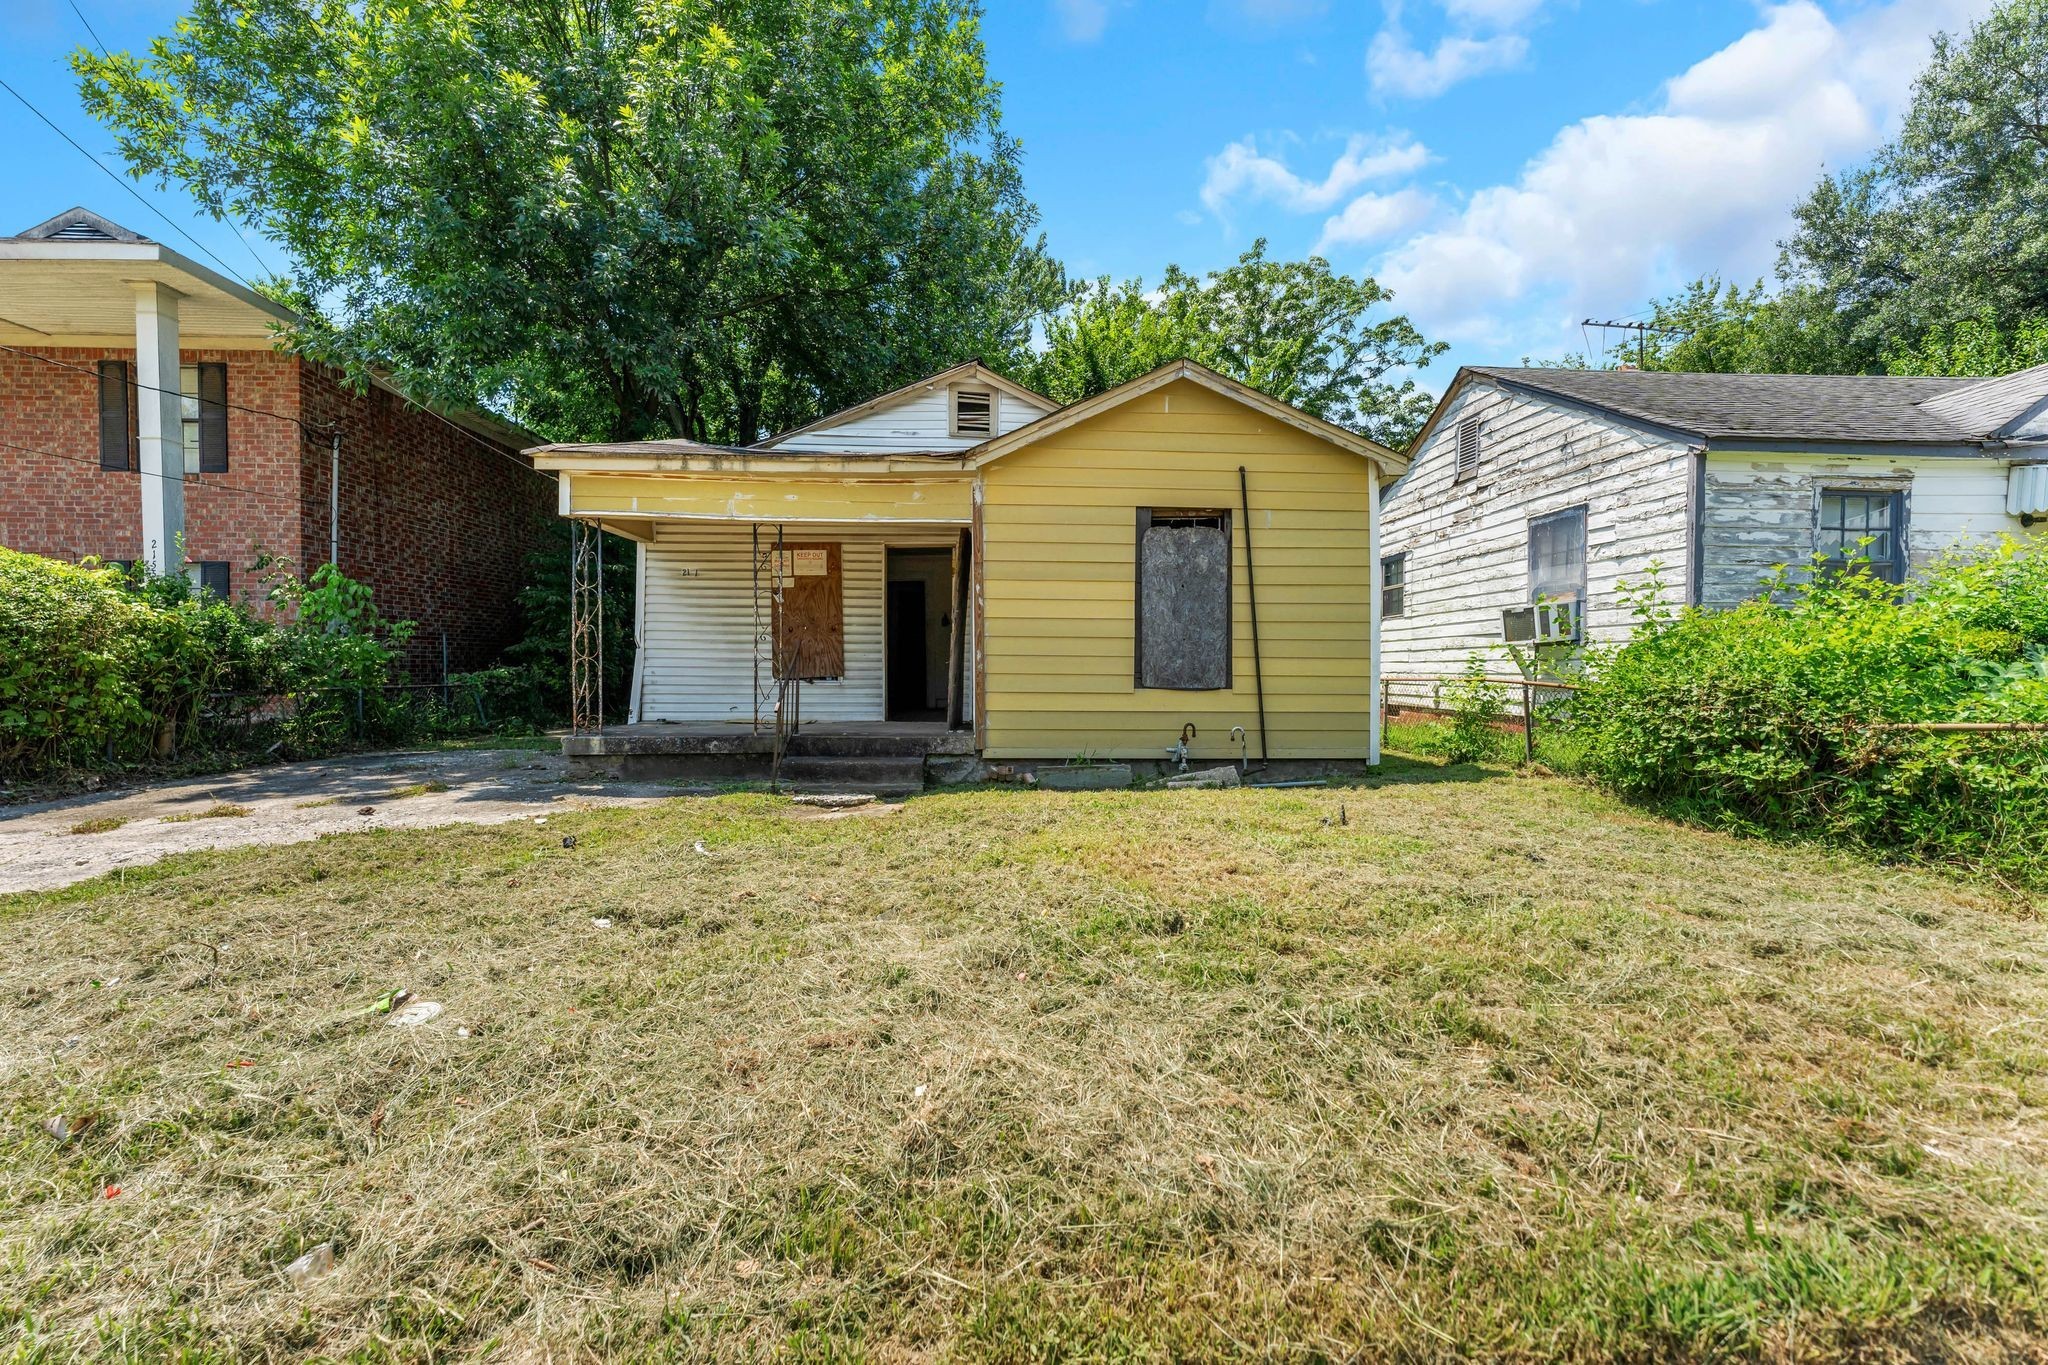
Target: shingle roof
1776	407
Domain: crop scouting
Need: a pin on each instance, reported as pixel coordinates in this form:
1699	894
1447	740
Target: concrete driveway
287	804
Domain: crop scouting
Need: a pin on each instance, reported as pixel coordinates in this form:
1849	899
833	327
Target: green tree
613	218
1294	329
1930	258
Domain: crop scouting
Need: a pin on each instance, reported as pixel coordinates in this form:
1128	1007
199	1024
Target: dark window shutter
113	414
213	419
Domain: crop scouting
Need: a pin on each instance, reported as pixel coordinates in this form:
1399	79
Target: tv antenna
1643	331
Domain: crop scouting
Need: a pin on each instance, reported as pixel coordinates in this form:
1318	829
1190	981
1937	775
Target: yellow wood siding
1060	554
759	498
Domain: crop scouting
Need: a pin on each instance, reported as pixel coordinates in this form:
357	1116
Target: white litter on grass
918	1093
417	1013
311	1266
540	819
600	922
701	850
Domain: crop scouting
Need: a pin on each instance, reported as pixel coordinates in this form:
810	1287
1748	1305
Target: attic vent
78	230
1468	447
974	412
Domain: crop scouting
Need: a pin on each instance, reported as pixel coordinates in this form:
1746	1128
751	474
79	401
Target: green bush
1765	718
1476	706
104	666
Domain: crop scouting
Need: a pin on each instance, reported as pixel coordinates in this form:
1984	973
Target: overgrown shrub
1767	718
105	666
1476	706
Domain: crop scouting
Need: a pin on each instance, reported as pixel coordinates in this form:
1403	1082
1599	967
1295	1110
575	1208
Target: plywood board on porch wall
697	649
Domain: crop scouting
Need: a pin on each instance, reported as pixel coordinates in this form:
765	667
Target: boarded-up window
114	426
974	412
1183	597
810	624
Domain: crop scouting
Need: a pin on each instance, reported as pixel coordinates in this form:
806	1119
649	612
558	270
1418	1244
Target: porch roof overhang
861	495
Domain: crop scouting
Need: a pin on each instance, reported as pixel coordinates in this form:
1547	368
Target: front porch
886	755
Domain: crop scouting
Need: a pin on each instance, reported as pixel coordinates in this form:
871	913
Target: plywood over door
810	620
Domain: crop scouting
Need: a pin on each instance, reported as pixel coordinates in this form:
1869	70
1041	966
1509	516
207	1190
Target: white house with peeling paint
1533	494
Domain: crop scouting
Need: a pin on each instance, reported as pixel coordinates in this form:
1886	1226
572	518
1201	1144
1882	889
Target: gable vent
1468	447
974	412
78	230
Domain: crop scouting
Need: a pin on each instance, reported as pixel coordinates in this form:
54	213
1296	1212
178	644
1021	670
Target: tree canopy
609	218
1296	330
1930	258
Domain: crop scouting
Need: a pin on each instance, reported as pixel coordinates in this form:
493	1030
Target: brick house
147	413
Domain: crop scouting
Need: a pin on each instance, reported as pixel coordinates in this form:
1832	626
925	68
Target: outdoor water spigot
1180	747
1243	759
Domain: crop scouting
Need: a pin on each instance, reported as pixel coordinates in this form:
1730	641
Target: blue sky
1506	166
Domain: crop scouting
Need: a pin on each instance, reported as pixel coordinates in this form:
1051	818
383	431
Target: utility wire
89	29
104	170
137	384
307	430
188	480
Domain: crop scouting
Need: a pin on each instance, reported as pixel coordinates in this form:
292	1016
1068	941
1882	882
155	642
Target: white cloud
1242	171
1619	206
1397	67
1374	218
1492	13
1082	21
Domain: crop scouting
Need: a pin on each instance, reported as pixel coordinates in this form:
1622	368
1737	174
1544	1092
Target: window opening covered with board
1183	623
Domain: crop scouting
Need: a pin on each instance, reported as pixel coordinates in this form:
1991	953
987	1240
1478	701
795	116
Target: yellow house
962	567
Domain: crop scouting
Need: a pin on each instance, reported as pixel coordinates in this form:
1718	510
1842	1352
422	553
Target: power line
187	479
77	146
306	429
89	29
137	384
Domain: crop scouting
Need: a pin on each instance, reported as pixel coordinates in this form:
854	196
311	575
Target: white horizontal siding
698	621
1468	543
1761	510
919	421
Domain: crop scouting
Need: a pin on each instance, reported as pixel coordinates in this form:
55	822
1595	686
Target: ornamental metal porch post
586	628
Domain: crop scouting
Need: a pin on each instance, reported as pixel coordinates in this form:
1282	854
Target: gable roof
972	371
1773	407
77	224
1993	407
1819	409
988	451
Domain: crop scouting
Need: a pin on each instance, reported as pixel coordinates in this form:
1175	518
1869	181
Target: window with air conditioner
1557	572
974	412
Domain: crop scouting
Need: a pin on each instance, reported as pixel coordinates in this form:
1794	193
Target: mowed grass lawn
1485	1066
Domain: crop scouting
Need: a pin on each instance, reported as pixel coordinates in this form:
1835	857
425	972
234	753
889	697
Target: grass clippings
1498	1069
100	824
220	810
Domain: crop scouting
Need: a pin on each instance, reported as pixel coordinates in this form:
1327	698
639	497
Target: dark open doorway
919	626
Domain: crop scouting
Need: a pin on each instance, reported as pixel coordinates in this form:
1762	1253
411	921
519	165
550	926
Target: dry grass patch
219	810
415	789
1496	1069
101	824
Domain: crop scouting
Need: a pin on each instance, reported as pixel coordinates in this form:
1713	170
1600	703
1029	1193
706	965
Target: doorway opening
919	632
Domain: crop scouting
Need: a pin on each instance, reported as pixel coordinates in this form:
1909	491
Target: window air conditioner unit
1546	623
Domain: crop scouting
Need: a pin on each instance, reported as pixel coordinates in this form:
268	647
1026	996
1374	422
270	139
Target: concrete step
894	775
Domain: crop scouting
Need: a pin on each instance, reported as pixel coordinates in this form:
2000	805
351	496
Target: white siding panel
698	621
1761	509
1468	543
921	421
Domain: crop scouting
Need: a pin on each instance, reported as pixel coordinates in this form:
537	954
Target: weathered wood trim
956	645
980	624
